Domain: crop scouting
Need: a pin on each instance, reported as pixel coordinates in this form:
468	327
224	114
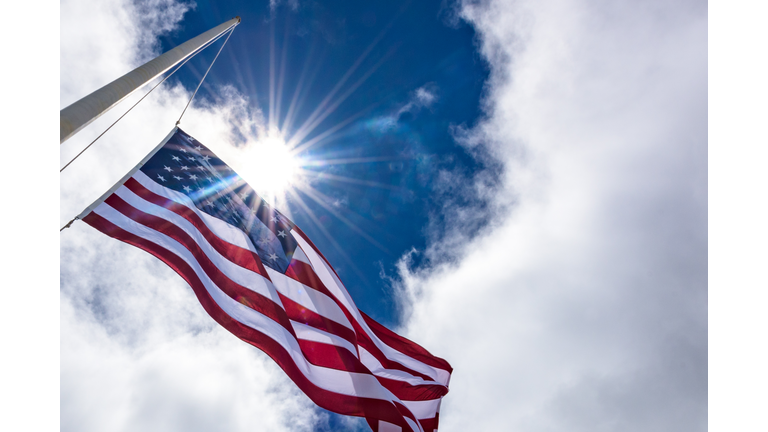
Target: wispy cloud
423	97
579	302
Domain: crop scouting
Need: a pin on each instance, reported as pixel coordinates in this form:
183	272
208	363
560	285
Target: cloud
137	350
580	301
423	97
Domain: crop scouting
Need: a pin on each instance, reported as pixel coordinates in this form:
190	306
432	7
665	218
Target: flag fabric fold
260	277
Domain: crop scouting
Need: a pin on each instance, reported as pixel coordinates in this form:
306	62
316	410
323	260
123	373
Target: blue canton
187	166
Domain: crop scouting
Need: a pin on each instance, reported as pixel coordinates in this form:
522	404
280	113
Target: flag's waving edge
261	278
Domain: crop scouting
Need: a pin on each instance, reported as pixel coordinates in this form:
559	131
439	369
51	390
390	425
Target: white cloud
423	97
137	350
582	305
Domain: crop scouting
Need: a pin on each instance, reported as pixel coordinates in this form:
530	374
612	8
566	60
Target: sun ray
298	97
299	146
349	161
323	201
321	106
334	177
281	77
271	118
302	133
329	237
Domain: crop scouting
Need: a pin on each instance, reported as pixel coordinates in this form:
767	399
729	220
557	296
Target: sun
270	167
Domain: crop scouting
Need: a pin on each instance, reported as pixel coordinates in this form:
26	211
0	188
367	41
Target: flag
261	278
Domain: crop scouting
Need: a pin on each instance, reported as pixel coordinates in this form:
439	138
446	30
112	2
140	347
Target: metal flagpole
83	112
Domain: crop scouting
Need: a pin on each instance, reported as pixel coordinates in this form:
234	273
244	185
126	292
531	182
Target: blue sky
530	178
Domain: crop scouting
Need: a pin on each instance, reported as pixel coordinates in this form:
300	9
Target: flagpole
83	112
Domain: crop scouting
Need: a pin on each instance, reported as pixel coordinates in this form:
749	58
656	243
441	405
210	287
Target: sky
520	187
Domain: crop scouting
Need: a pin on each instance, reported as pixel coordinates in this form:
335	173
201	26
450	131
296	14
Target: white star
253	211
176	158
160	177
192	177
208	203
281	233
244	195
187	188
182	150
274	218
205	158
272	256
184	167
198	148
167	168
178	178
191	158
263	240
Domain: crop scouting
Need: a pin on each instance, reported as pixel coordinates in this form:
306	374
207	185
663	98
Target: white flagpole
83	112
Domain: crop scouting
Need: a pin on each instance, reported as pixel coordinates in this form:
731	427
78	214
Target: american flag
260	277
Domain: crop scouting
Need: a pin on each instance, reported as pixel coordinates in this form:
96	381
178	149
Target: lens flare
270	167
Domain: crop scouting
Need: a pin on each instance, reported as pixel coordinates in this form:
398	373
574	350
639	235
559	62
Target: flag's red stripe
241	294
342	404
405	346
306	237
410	392
299	313
243	257
405	412
429	424
331	356
304	273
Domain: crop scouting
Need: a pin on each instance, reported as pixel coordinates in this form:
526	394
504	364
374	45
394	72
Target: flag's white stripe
308	297
388	427
323	271
237	274
377	369
299	255
423	409
337	381
310	333
222	229
414	425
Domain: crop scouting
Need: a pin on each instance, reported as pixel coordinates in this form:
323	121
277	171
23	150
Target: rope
206	74
147	94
